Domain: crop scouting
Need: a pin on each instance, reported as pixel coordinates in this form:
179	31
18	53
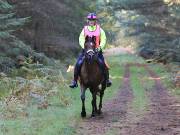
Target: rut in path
162	117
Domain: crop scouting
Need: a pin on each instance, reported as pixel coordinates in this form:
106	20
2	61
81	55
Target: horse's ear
87	38
94	39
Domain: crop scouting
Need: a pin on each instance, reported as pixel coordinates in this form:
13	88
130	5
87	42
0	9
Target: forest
39	45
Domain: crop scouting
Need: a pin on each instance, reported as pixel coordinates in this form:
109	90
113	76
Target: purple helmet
91	16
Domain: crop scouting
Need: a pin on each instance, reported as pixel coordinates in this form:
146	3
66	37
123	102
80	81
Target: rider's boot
108	82
105	70
74	83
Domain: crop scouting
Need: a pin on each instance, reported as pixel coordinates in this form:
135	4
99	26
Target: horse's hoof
83	114
99	112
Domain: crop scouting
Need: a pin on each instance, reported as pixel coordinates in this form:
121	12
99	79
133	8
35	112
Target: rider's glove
98	49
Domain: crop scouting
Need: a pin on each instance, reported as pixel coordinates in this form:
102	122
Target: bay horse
91	76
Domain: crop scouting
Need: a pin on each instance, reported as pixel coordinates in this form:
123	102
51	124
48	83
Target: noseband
90	51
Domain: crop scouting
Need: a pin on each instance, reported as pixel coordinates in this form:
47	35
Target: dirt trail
161	118
163	115
114	111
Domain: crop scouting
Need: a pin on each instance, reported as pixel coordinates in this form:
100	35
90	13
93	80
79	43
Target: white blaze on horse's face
91	44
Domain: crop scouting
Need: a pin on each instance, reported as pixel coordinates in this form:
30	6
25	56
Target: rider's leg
77	69
105	69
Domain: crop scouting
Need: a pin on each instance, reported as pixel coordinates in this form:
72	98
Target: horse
91	76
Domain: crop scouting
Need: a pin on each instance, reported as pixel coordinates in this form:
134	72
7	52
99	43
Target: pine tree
10	45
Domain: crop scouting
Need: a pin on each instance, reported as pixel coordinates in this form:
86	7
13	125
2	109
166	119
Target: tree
10	45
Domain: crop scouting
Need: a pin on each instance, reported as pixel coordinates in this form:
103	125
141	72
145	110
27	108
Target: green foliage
11	46
9	43
127	3
139	24
140	101
24	112
64	105
5	35
5	6
8	22
6	86
6	16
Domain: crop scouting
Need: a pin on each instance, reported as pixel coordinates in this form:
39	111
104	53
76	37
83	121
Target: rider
92	29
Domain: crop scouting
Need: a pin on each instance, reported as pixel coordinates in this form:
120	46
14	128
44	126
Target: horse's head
89	47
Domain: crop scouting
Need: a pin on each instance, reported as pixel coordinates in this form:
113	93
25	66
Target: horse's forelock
90	39
89	45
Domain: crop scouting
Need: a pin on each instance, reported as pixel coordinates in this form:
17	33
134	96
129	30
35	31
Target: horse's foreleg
100	102
83	113
94	107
